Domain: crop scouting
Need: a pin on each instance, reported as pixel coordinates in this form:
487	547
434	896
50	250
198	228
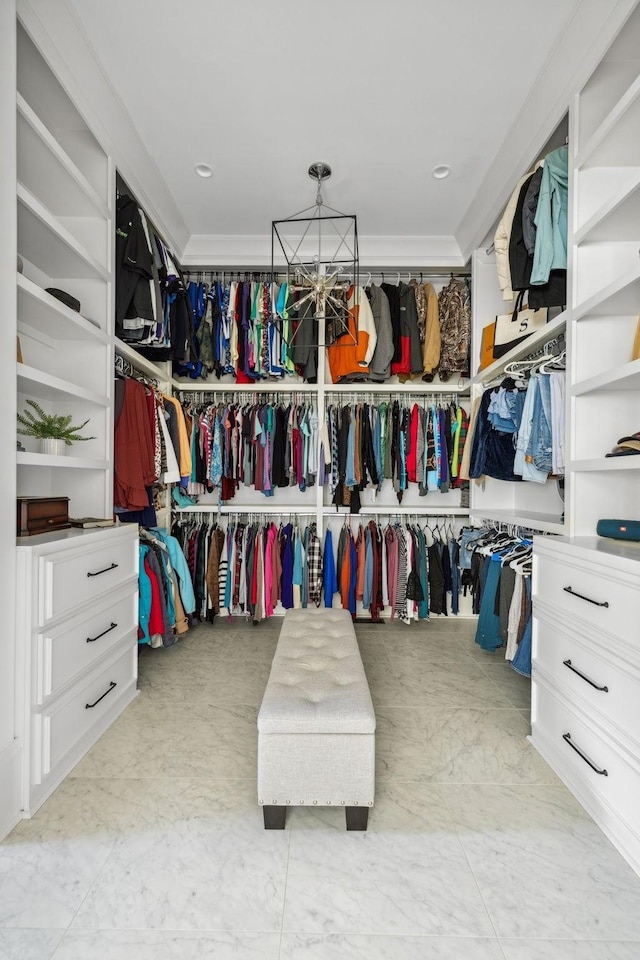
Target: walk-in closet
320	354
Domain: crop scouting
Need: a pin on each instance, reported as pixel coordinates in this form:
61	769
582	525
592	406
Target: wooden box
42	515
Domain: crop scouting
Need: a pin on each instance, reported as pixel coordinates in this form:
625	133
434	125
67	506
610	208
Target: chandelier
317	250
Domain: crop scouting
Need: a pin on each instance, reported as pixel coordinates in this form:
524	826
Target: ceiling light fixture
203	170
317	248
441	172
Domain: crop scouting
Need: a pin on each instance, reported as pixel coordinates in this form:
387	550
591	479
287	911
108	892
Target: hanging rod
260	386
263	273
242	396
453	513
363	396
127	369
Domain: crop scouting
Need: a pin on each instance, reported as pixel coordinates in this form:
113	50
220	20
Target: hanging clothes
455	326
135	440
399	567
393	441
264	445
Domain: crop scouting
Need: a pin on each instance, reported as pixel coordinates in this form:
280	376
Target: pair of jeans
468	538
541	441
488	630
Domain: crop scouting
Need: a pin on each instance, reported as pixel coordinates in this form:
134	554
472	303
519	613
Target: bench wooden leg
357	817
274	817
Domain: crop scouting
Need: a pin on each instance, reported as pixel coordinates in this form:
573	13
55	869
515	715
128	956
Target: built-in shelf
141	363
624	377
415	387
46	165
69	463
260	386
544	522
397	510
621	298
617	135
618	218
46	243
606	464
38	309
529	346
47	387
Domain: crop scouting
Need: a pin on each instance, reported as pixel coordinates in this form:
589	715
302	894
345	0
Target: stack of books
87	522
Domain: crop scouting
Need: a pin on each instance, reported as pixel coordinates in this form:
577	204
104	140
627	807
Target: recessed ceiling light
441	171
203	170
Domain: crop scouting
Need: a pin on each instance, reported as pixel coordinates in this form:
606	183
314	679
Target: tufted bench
316	725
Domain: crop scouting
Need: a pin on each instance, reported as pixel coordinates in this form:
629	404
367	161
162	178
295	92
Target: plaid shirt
314	565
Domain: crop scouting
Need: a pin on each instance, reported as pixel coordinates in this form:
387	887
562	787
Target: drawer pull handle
112	686
567	737
106	570
108	630
597	603
568	663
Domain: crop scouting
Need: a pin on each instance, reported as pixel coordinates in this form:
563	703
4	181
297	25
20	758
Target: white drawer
59	727
592	595
72	647
568	731
607	685
71	578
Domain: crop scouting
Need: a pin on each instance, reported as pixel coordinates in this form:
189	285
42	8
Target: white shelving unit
587	589
72	584
604	394
64	202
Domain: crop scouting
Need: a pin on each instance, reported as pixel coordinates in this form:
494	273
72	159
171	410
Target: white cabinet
585	714
65	238
77	646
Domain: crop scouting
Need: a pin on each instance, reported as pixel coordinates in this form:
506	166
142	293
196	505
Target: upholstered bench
316	725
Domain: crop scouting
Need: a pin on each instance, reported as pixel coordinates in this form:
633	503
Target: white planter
54	446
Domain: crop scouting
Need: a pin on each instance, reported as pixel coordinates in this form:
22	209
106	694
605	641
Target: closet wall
10	746
316	501
532	505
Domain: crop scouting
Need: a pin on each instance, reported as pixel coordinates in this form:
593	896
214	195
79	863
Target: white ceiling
382	91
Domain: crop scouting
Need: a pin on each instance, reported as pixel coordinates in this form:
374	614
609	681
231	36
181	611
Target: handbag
486	345
513	328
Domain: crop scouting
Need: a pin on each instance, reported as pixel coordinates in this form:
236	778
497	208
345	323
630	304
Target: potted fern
53	430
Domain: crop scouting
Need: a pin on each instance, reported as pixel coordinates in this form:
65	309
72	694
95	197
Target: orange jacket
354	348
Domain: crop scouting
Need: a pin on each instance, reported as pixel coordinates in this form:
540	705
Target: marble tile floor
153	848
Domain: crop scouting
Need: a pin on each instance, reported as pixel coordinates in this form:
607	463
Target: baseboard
10	787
